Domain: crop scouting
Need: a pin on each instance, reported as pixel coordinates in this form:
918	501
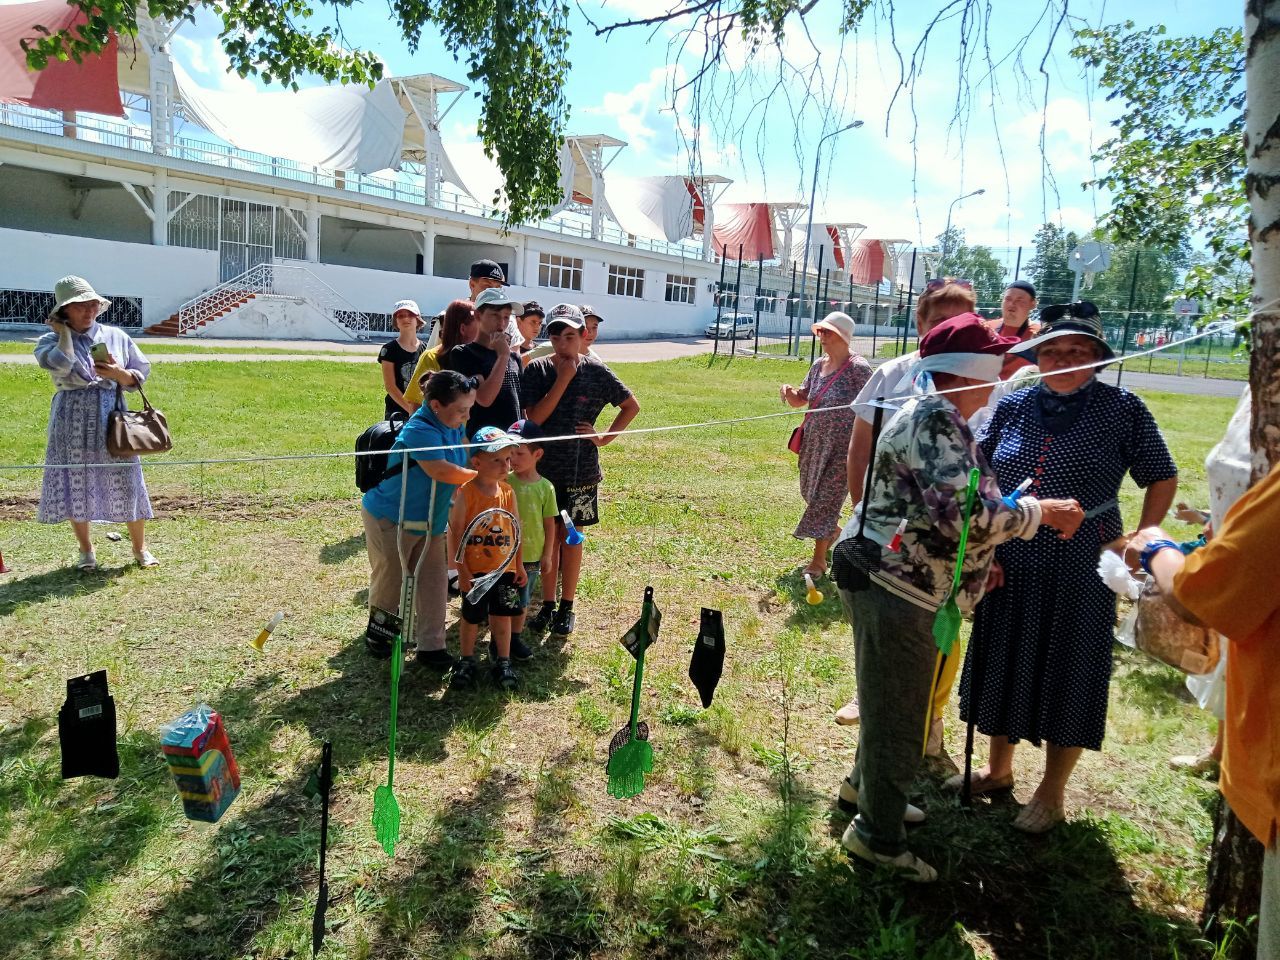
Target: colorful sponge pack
199	756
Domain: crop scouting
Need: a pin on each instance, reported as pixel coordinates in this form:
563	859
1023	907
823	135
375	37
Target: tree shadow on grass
351	709
94	829
1155	688
791	587
1063	895
258	855
54	585
341	550
430	912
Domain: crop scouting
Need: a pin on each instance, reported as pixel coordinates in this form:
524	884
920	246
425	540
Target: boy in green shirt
536	498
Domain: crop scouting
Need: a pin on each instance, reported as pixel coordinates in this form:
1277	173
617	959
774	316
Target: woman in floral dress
834	380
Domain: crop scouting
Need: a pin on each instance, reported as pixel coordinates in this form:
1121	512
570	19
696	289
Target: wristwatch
1151	549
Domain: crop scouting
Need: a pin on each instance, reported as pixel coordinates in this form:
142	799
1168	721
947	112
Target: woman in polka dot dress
1039	663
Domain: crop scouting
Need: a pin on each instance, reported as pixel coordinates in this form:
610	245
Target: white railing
400	187
282	280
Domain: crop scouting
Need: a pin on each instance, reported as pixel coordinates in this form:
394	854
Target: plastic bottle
261	640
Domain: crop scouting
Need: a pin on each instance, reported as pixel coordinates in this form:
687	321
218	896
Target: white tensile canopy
335	127
657	208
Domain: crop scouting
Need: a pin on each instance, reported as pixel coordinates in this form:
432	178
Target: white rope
666	428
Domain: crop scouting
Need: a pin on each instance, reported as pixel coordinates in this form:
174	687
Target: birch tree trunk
1234	886
1262	181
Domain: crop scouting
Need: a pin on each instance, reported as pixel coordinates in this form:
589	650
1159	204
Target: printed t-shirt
473	360
429	362
572	463
485	546
403	362
537	501
1224	585
423	429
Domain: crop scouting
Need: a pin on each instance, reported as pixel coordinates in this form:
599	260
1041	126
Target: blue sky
621	86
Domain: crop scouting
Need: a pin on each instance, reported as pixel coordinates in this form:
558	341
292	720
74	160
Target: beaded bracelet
1151	549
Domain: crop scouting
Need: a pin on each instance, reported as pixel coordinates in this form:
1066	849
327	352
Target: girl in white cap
89	363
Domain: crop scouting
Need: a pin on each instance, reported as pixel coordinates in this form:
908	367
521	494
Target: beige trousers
431	592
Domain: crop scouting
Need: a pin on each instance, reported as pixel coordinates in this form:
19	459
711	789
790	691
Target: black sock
548	605
566	604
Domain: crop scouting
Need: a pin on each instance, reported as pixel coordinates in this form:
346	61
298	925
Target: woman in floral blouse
921	472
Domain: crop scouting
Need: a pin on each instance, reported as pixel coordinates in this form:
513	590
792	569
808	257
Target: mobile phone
99	352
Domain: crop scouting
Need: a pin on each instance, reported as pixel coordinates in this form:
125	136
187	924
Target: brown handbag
1159	632
796	440
131	432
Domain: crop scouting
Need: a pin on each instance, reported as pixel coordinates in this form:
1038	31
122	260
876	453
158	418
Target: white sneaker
145	558
847	800
912	867
88	561
847	715
1198	766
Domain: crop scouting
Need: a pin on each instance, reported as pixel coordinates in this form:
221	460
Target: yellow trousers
943	682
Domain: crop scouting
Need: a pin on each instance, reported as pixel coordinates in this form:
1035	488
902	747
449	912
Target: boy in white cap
490	359
564	394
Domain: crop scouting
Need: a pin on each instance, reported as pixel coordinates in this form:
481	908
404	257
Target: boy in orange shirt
484	552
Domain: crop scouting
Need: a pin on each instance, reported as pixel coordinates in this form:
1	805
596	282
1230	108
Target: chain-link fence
766	309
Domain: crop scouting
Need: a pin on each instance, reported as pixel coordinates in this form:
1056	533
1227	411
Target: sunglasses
937	283
1080	310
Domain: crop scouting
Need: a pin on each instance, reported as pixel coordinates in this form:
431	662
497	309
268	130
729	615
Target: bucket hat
1079	319
74	290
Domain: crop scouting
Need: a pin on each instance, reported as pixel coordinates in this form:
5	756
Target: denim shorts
532	572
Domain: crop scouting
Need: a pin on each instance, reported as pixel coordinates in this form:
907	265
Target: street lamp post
946	234
813	194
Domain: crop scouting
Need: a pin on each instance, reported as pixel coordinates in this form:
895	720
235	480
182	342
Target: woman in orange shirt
1223	585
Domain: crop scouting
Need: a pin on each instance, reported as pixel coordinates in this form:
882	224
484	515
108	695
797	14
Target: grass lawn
27	346
510	845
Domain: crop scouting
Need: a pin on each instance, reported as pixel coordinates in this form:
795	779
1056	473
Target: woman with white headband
1039	662
922	464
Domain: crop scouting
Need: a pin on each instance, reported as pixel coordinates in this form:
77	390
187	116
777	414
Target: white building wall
625	318
164	277
276	320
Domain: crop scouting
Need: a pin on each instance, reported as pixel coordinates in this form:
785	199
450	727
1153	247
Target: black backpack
375	442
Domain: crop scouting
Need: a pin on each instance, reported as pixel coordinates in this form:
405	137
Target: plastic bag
199	756
1115	574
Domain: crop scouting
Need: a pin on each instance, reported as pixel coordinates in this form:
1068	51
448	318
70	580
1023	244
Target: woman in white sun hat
95	488
834	380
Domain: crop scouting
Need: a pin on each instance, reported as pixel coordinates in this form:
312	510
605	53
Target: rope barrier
665	428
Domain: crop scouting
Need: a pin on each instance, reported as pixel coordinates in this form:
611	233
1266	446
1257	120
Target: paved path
618	351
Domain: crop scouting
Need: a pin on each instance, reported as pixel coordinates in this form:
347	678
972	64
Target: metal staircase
283	281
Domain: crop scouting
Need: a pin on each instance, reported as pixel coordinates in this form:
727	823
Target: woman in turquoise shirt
433	476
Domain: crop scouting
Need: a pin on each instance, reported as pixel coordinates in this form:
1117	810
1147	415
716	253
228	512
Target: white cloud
208	64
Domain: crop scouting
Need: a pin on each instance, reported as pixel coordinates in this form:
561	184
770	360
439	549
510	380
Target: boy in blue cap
486	550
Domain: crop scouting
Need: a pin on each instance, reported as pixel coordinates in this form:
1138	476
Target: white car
732	327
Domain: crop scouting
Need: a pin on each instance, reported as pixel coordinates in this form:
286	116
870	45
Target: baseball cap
966	347
526	429
1023	285
566	314
491	440
410	305
532	307
487	270
590	311
496	298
